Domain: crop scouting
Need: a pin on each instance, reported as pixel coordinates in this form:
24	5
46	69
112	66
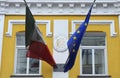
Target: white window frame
93	67
15	64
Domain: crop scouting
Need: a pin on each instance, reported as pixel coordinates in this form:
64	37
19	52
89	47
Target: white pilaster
60	51
1	35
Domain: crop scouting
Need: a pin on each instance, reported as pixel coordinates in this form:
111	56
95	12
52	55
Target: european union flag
75	40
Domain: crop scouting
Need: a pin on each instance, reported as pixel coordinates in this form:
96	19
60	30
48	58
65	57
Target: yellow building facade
98	55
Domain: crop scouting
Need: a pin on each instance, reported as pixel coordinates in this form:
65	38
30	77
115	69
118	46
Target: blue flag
75	40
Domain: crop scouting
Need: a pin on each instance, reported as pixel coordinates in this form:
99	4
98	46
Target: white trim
27	66
81	61
15	61
93	61
119	23
40	67
92	47
26	74
94	75
106	57
11	22
110	22
106	62
2	17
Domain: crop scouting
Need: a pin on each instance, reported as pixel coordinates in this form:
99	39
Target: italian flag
34	42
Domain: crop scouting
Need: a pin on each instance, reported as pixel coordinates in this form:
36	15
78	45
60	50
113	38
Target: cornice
60	7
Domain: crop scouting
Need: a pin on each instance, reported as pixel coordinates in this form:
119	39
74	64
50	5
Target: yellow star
85	24
78	31
73	50
74	38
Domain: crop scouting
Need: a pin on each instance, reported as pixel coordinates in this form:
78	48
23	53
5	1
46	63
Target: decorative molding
49	5
110	22
82	5
71	5
11	22
17	5
39	5
60	7
105	5
60	43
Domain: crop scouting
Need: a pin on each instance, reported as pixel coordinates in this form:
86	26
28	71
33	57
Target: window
93	54
24	65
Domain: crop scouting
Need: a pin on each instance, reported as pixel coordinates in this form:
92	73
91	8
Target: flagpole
94	1
25	2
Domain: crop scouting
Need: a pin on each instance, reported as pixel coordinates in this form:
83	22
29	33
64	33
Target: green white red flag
34	42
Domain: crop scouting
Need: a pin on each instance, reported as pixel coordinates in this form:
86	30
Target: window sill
26	76
94	77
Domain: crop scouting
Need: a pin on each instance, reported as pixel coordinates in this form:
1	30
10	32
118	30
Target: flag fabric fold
75	40
33	40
